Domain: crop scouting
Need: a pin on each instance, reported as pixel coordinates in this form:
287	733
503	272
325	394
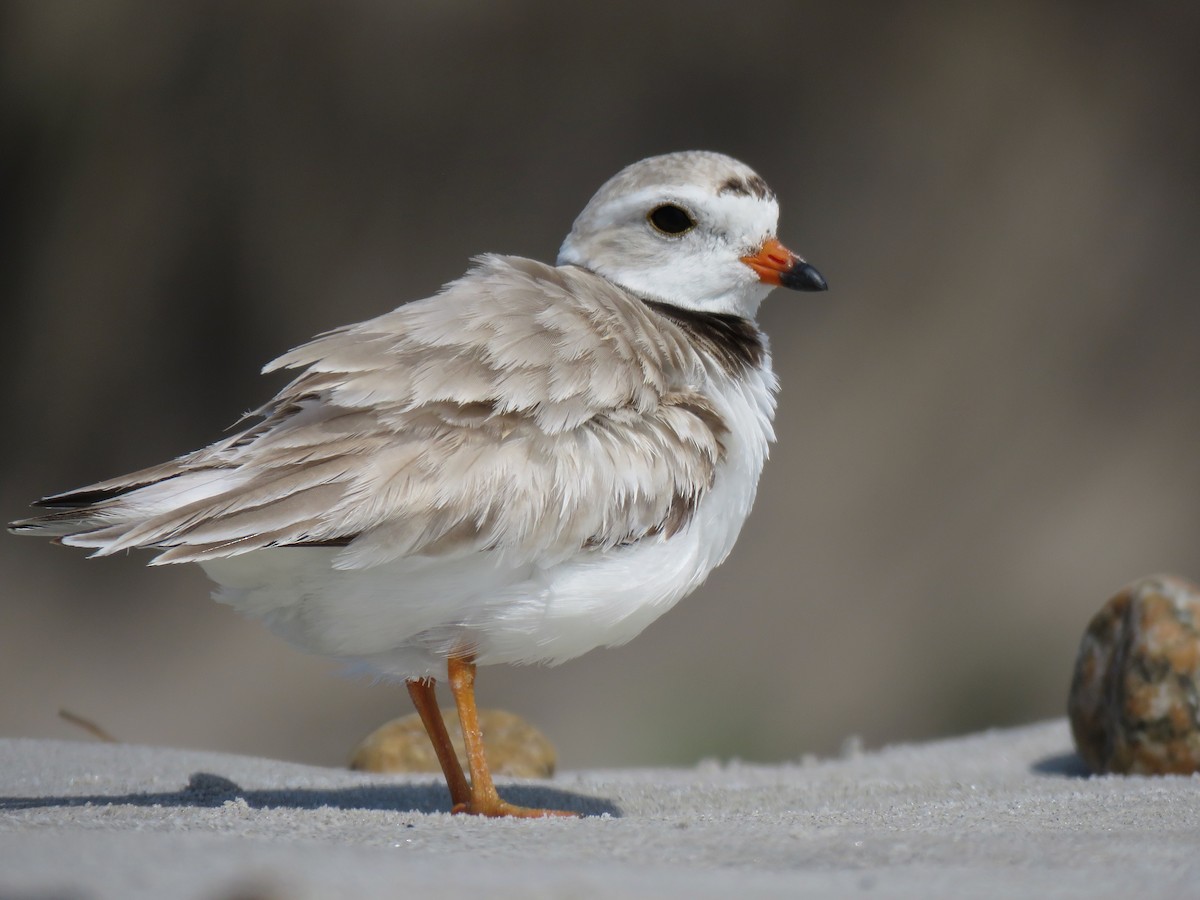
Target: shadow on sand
207	790
1064	765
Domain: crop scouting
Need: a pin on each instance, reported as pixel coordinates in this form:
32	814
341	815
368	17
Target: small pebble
514	747
1135	695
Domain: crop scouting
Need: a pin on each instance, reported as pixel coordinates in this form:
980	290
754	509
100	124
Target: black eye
671	219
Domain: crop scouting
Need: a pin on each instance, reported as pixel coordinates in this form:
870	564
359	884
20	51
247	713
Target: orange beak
775	264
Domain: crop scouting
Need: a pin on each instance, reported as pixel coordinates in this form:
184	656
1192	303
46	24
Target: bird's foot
498	808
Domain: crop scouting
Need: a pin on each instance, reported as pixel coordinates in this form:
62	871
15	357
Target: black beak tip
803	277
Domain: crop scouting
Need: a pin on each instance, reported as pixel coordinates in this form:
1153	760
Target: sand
1006	813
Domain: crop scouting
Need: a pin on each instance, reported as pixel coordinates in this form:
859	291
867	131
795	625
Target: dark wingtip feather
76	499
104	491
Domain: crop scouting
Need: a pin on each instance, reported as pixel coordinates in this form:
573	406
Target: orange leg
484	801
425	700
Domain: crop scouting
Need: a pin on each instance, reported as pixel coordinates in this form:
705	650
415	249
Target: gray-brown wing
526	408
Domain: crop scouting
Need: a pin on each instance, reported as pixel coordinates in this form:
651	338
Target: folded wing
526	409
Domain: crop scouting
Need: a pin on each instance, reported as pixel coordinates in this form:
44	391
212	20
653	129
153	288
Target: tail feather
102	513
63	522
196	513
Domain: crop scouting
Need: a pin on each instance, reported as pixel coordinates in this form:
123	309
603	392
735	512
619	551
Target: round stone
1135	695
514	747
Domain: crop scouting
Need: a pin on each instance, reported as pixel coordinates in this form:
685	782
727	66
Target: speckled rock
1135	695
514	747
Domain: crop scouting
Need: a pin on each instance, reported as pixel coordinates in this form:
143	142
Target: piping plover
536	461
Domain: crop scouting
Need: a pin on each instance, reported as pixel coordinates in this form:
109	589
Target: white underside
403	618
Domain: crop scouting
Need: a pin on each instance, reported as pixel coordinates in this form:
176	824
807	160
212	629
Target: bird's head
693	229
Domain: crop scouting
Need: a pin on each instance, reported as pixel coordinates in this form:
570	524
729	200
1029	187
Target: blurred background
988	425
